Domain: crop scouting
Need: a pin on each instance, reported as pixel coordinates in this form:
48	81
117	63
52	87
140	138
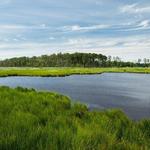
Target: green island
36	120
66	71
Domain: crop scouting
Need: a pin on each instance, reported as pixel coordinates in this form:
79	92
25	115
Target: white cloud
51	38
135	8
145	24
123	47
85	28
17	27
142	25
128	8
127	42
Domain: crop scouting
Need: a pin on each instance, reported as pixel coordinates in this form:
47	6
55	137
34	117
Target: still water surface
127	91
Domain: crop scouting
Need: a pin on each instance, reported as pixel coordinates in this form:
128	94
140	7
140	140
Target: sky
111	27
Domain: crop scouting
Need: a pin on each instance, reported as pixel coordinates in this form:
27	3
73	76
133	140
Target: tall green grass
31	120
4	72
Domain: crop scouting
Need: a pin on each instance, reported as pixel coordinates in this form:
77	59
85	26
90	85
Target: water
127	91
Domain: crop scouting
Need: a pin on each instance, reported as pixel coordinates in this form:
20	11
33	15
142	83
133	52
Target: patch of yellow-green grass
66	71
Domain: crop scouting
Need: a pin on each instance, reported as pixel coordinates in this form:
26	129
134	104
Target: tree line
71	60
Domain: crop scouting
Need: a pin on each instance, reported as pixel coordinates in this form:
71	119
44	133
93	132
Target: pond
127	91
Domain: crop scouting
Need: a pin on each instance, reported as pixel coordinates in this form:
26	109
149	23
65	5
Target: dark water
130	92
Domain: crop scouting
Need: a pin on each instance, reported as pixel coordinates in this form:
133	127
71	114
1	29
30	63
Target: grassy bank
31	120
4	72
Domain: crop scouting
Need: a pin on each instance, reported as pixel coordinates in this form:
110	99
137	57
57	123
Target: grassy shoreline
58	72
45	120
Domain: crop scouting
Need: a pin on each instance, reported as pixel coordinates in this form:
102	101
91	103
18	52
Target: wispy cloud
85	28
114	46
16	26
133	41
135	26
145	24
135	8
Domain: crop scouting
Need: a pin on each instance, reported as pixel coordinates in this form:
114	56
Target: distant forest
72	60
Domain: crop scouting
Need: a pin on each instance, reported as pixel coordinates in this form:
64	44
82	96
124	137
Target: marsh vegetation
31	120
66	71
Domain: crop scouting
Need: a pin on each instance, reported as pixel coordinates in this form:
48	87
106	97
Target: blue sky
111	27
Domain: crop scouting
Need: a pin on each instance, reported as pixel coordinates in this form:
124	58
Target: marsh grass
54	72
31	120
